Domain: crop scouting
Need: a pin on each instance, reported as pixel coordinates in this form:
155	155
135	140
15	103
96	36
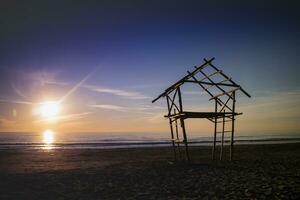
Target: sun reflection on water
48	139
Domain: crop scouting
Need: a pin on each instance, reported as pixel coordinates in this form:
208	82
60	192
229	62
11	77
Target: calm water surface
52	140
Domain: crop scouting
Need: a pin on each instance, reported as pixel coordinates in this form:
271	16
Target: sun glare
49	109
48	137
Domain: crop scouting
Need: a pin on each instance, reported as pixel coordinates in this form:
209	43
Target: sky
106	60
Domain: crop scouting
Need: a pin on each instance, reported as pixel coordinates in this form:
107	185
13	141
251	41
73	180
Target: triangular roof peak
206	82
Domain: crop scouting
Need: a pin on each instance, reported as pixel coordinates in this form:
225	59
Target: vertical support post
183	126
177	136
222	142
232	126
215	131
171	129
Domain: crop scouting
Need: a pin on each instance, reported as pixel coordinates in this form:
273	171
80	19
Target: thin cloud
110	107
153	118
18	102
117	92
274	99
142	110
198	92
18	92
70	117
101	89
43	77
50	79
77	85
56	83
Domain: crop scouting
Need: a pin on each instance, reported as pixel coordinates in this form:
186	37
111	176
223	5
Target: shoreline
139	144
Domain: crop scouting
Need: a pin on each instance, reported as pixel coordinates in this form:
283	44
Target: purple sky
134	50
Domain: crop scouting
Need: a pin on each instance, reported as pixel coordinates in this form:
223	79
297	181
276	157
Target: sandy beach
258	172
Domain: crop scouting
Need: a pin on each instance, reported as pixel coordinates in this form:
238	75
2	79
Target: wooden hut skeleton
224	111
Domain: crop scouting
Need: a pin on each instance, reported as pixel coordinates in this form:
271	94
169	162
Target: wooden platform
186	115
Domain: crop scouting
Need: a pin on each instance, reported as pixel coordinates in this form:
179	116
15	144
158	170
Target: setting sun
49	109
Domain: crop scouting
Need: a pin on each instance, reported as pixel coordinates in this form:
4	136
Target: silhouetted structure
221	89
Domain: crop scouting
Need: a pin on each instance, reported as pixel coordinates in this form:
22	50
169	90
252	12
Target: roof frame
210	82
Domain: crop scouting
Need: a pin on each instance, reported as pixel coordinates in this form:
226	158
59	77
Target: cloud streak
117	92
100	89
70	117
111	107
77	85
18	102
139	109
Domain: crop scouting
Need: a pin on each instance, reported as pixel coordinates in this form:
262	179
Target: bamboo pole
183	127
193	77
232	127
171	129
222	140
181	81
215	132
225	76
177	136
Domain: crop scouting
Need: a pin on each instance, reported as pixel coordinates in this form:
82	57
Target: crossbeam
200	114
225	105
221	83
203	87
225	76
224	93
210	75
173	102
181	81
211	84
206	76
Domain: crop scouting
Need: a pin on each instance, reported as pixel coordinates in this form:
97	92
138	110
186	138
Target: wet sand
257	172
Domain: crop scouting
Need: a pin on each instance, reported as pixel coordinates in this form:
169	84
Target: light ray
78	85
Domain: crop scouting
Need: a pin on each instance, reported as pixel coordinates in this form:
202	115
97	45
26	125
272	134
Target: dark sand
258	172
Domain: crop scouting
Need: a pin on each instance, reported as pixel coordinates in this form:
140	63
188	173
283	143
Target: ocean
52	140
